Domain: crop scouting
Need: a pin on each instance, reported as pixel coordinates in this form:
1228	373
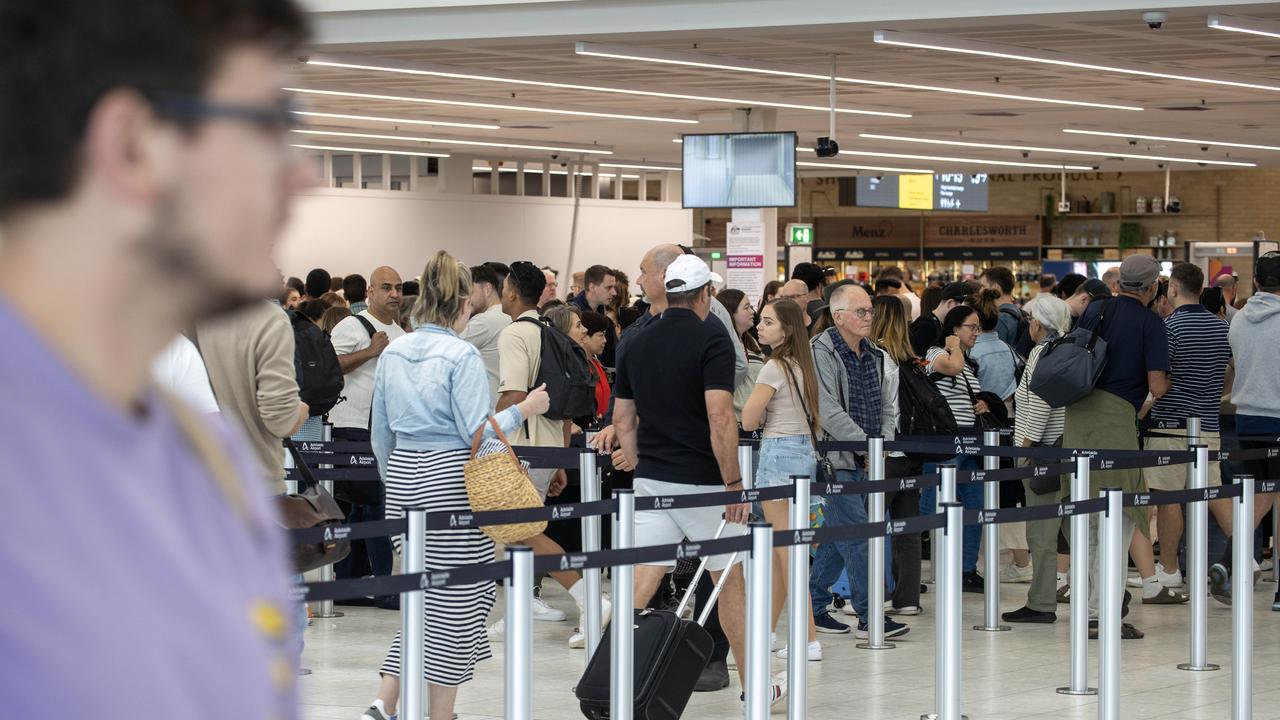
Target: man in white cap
673	415
1106	418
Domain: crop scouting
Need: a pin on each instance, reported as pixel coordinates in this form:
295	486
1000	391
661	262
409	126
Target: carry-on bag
669	655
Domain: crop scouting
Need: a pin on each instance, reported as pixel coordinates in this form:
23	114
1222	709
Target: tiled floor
1006	675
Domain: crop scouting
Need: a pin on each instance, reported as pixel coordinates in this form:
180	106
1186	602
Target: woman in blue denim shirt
430	396
783	405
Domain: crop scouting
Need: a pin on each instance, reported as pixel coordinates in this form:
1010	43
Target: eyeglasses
971	326
861	313
279	117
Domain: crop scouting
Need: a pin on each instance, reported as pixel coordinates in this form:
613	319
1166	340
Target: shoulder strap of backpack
368	326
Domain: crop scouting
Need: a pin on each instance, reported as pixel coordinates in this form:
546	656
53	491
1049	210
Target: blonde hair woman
784	405
430	396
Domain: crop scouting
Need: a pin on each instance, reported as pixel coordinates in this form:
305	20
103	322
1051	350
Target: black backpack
1022	336
315	364
564	368
923	410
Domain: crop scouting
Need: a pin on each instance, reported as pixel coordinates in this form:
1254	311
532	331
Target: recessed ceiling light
444	140
1242	24
719	62
357	62
845	166
373	151
399	121
464	101
1163	138
961	160
635	166
1064	151
1087	62
586	173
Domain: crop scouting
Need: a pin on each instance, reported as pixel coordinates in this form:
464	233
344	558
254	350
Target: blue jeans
970	495
848	555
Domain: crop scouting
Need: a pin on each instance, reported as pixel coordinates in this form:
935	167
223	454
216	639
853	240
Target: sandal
1127	631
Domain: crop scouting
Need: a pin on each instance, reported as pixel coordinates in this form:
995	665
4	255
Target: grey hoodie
1255	336
833	398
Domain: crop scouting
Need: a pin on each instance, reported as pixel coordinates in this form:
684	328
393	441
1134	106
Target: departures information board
965	192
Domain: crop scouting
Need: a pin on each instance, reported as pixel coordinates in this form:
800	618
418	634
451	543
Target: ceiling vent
1187	108
996	113
526	127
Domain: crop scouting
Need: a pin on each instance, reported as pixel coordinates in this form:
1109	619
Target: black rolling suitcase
670	654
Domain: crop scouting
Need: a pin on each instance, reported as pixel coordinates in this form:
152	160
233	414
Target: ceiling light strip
463	73
459	141
1064	151
372	151
1242	24
843	166
400	121
1162	138
461	101
717	62
1049	57
954	159
635	166
584	173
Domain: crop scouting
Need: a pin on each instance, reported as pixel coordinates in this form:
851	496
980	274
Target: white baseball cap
687	273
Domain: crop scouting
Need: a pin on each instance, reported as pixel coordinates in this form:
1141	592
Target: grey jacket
833	394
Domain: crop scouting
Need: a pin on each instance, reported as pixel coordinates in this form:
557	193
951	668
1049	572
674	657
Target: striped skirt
455	637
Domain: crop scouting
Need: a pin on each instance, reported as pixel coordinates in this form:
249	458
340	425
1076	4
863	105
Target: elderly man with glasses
857	397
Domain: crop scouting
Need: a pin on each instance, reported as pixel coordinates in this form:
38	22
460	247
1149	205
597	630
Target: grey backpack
1069	366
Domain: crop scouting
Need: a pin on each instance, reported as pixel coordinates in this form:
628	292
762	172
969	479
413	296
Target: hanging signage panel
982	253
987	230
830	255
902	231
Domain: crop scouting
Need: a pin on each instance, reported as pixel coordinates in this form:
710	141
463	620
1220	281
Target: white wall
349	230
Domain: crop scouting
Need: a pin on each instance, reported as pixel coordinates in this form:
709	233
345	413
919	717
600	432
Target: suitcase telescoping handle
715	592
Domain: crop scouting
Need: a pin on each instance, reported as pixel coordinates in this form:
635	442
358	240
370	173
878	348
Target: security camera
879	178
1097	167
1160	165
1155	19
1202	164
1133	142
826	147
1025	154
555	156
1204	148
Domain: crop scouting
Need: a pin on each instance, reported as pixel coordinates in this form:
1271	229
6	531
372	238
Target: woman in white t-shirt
784	406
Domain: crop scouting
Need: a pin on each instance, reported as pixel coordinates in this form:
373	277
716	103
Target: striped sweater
1034	419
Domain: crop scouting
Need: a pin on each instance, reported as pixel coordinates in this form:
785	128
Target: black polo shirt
1136	344
665	371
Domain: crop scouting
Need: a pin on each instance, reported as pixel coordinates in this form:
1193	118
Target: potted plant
1130	235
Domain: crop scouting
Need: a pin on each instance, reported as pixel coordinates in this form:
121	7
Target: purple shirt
132	587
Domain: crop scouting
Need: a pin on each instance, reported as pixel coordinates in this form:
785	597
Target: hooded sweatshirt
1255	335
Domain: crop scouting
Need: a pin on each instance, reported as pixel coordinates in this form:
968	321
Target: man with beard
152	148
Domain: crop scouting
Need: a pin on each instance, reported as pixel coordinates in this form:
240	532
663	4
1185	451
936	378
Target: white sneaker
813	652
777	689
497	632
1134	582
376	711
1169	580
578	640
1014	574
848	609
889	609
542	612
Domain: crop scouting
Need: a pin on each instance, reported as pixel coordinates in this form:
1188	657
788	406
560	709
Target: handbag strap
475	439
808	418
1102	316
308	479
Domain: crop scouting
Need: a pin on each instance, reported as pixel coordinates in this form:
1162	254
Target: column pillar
455	175
760	120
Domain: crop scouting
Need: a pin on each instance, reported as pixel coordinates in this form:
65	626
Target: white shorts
667	527
541	478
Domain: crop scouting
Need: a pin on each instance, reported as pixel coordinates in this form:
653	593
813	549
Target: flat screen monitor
965	192
740	170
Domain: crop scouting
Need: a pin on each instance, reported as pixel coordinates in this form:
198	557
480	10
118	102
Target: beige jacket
249	356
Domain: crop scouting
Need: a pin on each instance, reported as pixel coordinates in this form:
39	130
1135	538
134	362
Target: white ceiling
1184	41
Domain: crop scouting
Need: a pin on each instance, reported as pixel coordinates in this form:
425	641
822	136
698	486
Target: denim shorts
782	457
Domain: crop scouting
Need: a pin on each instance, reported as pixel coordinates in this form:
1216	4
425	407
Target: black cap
1266	271
959	291
1097	289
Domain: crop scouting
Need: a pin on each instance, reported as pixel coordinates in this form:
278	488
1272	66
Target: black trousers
371	556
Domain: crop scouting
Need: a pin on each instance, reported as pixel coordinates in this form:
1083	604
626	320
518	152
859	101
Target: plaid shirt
864	382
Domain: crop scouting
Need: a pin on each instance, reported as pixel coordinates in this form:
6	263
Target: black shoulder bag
826	472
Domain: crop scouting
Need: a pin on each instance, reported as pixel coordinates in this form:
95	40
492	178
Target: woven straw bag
498	482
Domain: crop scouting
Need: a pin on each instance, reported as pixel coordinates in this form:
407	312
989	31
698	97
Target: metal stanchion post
1079	630
413	696
745	454
1198	563
798	610
1275	541
759	591
875	552
590	479
946	493
621	699
991	540
947	693
519	641
946	498
1114	551
324	608
1242	602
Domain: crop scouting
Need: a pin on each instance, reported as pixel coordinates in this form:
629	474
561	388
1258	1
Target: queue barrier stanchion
745	469
946	497
324	609
1242	601
946	493
621	701
991	539
590	484
947	654
1275	541
1114	551
1079	629
413	662
875	552
1198	564
519	638
759	592
798	607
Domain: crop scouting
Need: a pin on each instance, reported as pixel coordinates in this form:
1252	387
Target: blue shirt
1198	352
1136	345
431	393
864	381
997	369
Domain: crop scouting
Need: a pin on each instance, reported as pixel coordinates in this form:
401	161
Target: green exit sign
716	255
799	234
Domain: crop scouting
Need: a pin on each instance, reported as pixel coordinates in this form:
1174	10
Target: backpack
922	409
564	369
315	365
1022	335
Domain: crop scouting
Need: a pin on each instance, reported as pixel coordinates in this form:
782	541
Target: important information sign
744	250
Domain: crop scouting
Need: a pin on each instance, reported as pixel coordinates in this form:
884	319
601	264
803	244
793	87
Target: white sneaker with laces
1014	574
813	652
777	689
542	612
578	640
